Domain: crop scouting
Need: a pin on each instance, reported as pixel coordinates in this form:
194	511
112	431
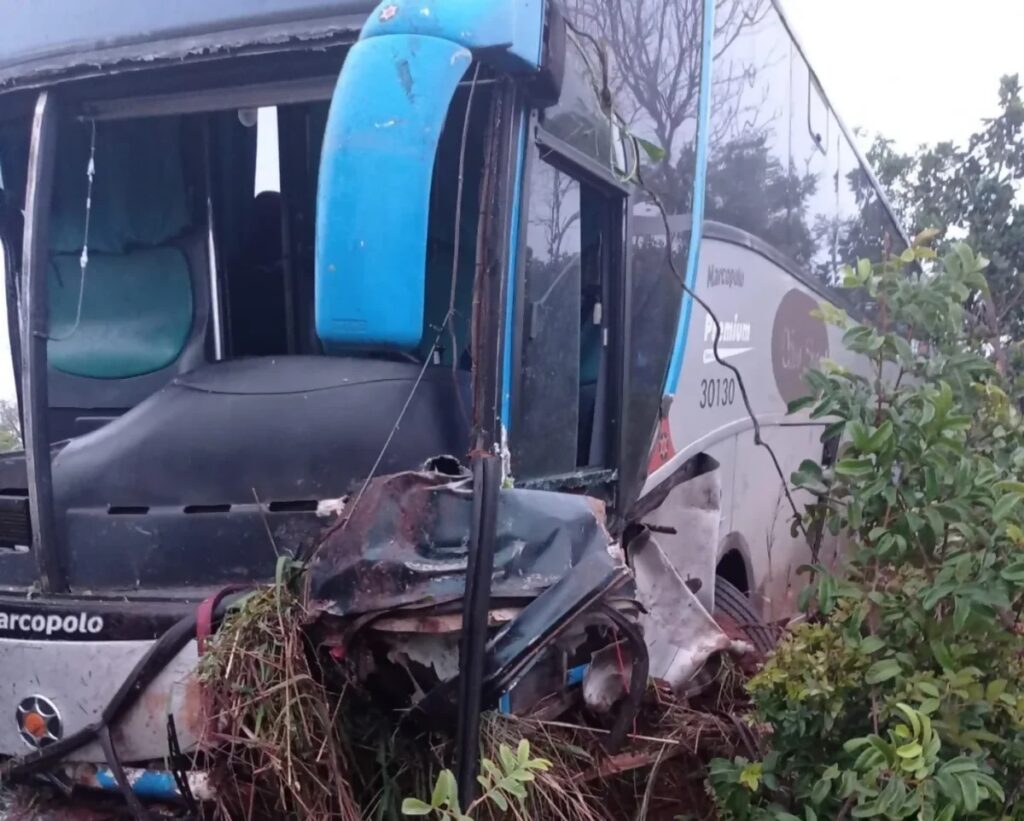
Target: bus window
865	227
750	184
570	254
13	159
10	423
818	116
814	166
577	119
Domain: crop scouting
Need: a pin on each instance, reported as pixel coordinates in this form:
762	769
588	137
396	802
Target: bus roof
48	37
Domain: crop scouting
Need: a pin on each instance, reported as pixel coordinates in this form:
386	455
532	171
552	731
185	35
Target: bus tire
732	604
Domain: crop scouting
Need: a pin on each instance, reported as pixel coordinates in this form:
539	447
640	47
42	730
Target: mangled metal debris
569	605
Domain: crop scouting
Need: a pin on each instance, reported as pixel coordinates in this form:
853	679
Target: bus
278	270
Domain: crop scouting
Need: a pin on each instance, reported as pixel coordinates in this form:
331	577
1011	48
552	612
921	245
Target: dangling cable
457	242
83	260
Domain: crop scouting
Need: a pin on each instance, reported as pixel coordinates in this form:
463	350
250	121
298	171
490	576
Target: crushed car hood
405	543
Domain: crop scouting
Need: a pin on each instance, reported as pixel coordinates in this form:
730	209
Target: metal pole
34	370
211	249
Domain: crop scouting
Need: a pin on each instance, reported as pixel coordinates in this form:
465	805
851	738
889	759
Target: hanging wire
83	260
457	242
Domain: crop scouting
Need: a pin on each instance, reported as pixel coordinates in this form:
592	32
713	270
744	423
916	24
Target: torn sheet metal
690	512
681	635
405	544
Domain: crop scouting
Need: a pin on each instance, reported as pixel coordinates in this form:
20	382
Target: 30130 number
717	393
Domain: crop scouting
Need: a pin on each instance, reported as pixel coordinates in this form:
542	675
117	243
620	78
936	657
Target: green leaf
883	670
932	596
655	153
799	404
950	786
995	689
859	434
880	437
445	790
969	787
961	612
912	750
855	744
826	593
820	791
960	764
994	788
523	752
750	776
1014	573
413	806
508	759
513	787
910	714
871	644
1011	487
942	654
1005	506
855	467
498	800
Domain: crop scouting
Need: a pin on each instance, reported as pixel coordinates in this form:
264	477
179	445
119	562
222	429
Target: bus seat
136	313
145	320
146	304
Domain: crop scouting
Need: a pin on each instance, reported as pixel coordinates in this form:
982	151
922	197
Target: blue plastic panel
513	26
373	200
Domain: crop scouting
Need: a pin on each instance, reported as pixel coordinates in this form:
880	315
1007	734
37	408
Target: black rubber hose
637	681
475	616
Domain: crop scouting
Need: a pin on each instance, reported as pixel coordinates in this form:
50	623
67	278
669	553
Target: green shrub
900	698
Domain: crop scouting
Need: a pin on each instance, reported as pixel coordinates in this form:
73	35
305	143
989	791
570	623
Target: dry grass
283	743
272	738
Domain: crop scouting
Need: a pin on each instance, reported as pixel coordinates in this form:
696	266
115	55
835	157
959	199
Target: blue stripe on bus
510	291
700	184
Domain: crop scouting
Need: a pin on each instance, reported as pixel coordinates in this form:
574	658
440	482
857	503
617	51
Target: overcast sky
914	70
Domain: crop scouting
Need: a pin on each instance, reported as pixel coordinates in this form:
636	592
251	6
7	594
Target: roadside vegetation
900	696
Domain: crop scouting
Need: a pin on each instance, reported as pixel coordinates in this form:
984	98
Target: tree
970	192
10	426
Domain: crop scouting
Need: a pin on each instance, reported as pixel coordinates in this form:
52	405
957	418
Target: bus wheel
733	608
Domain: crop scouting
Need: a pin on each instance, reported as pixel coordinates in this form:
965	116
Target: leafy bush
900	698
503	784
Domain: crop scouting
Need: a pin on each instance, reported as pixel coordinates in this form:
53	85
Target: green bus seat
137	312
